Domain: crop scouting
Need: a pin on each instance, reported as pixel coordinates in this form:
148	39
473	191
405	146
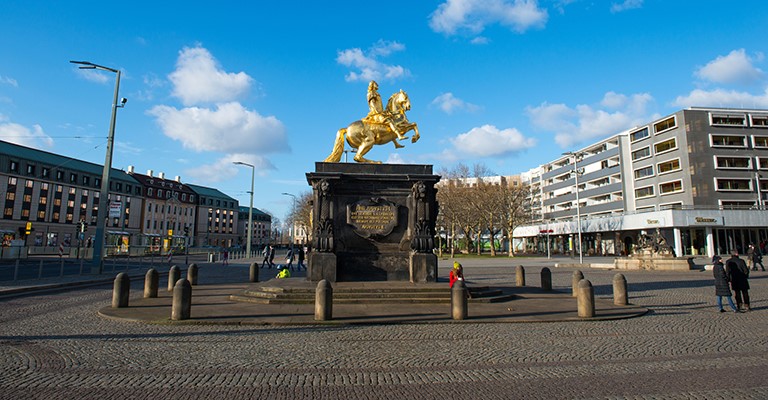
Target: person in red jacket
456	274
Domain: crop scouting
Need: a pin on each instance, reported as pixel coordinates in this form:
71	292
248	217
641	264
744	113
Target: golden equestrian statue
380	126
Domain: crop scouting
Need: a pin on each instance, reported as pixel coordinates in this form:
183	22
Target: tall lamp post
250	209
576	157
101	219
293	228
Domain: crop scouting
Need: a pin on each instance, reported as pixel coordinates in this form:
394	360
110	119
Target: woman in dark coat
722	287
739	273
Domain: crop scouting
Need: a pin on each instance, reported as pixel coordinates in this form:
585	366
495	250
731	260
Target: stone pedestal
373	222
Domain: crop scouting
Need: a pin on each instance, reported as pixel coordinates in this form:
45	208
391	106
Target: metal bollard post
459	300
173	275
620	297
151	283
323	301
182	300
121	291
520	276
192	274
254	272
546	279
577	276
586	299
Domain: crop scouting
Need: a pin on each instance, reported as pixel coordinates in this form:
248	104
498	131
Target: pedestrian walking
265	254
271	256
722	284
750	257
739	273
300	263
225	257
757	258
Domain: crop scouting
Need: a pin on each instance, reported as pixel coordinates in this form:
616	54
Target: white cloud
198	78
490	141
584	122
626	5
6	80
449	103
228	128
472	16
224	168
128	148
19	134
722	98
94	75
736	67
368	65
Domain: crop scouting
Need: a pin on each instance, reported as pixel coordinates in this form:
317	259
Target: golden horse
363	135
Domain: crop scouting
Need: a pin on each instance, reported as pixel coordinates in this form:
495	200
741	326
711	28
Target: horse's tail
338	147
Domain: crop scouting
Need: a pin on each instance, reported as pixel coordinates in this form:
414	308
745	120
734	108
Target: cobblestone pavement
55	346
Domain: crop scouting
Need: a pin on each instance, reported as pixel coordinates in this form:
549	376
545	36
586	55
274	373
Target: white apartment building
699	176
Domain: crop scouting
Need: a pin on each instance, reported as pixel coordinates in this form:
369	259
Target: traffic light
28	229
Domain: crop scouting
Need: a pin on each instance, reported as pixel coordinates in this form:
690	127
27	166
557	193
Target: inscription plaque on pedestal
372	217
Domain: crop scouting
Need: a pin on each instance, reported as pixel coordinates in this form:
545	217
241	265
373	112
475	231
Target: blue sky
511	84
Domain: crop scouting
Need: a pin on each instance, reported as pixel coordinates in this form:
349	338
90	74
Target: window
666	145
118	186
46	172
183	197
762	163
159	192
59	175
128	188
665	125
645	152
43	200
760	141
8	212
733	162
149	192
759	121
668	166
637	135
733	184
10	196
11	181
736	205
72	178
72	190
86	180
27	198
41	215
97	182
29	183
644	192
728	119
729	140
30	169
14	166
671	187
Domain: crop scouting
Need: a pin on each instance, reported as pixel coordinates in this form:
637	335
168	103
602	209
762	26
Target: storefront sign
115	209
705	221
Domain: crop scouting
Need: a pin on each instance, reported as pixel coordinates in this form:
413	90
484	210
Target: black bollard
546	279
577	276
620	297
182	300
520	276
121	291
192	274
151	283
459	300
254	272
174	274
323	301
586	299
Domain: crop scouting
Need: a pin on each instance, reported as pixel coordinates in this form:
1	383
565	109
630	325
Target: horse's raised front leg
416	136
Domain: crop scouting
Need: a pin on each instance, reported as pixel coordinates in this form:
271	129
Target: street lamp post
293	228
250	209
576	157
102	215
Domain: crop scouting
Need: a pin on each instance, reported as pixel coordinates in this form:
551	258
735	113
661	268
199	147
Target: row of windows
659	148
738	141
661	168
754	120
664	188
658	127
169	193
